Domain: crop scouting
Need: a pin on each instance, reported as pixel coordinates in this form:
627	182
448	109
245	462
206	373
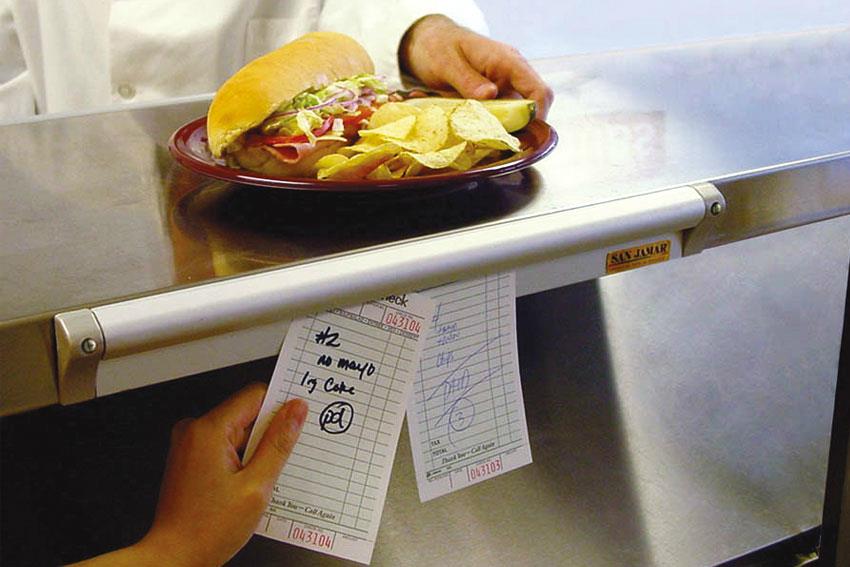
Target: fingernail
485	90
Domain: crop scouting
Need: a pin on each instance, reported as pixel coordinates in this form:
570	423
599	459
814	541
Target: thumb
468	82
278	441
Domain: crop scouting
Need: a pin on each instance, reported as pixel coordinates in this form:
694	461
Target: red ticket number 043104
311	537
401	321
485	469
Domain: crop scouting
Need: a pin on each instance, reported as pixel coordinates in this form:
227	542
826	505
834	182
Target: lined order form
355	368
466	417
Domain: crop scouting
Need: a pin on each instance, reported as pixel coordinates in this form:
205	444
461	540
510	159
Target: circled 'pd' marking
336	418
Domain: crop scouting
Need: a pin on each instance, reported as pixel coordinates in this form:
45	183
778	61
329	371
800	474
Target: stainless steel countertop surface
94	209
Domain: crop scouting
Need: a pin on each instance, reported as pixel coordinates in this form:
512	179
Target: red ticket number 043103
402	321
485	469
311	537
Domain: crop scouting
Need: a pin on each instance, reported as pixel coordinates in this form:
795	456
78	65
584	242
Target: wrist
412	38
144	553
154	550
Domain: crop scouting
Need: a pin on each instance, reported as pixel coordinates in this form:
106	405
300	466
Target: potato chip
473	123
404	166
471	157
429	133
397	130
362	147
390	112
481	154
439	159
361	165
330	160
381	172
398	165
415	168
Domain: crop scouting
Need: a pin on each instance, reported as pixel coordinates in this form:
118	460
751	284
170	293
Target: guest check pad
354	367
447	356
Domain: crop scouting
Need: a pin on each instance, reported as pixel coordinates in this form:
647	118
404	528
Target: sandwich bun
259	88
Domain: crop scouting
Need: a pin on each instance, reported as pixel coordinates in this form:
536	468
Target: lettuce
309	107
307	121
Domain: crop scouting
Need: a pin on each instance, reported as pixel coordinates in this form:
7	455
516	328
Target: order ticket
354	367
466	416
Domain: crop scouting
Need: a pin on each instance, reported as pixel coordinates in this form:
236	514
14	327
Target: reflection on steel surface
616	143
219	229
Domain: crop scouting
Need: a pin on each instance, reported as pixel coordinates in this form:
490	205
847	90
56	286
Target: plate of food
313	116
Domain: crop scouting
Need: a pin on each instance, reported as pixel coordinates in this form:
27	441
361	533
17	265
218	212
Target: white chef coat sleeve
379	25
64	52
17	95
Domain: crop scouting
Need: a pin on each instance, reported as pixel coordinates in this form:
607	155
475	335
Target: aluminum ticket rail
132	334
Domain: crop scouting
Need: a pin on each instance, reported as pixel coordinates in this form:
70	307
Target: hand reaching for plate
443	55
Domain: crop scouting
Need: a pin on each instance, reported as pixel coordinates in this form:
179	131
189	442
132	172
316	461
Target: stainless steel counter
94	211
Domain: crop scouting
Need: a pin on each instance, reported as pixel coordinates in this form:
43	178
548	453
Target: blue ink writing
447	334
436	317
455	384
445	358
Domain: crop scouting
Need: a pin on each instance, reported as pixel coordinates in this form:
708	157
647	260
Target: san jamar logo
637	256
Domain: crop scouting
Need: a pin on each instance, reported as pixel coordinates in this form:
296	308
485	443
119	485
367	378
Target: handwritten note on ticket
466	417
355	368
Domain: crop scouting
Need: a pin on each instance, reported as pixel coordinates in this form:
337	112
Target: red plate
188	145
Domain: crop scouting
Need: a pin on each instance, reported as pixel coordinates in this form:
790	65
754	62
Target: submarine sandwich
283	111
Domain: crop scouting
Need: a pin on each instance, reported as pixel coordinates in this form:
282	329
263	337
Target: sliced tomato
351	123
265	140
364	114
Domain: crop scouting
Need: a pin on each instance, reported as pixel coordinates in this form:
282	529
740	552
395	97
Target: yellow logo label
637	256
